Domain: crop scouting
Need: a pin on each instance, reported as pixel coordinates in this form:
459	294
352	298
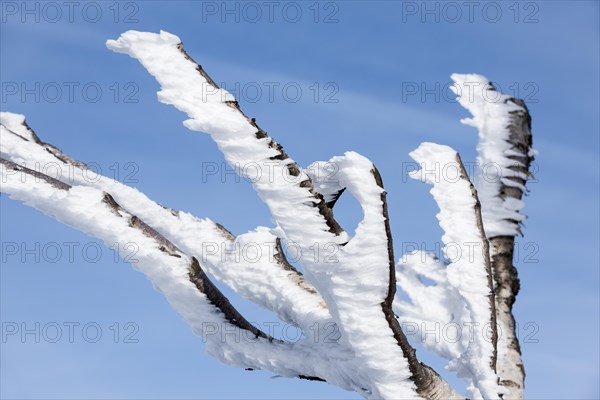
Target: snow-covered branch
282	185
267	281
469	270
97	213
504	151
505	155
176	274
274	284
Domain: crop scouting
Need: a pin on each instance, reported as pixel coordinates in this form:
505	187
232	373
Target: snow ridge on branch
501	162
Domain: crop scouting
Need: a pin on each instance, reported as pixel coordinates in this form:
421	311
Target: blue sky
355	64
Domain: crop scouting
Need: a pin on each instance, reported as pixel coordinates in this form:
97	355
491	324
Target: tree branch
486	260
367	264
162	244
510	365
505	141
469	270
430	385
267	281
322	359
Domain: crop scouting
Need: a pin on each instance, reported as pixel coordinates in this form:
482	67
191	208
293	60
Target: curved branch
429	383
368	285
486	260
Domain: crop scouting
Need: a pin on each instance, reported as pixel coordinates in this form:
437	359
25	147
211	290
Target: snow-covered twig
504	151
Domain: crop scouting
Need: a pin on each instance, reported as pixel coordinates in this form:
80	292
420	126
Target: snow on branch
469	270
435	307
282	185
360	288
366	285
505	156
271	282
267	281
323	176
504	151
174	273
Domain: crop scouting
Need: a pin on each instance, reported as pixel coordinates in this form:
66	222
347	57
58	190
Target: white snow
491	117
16	123
436	313
466	272
324	178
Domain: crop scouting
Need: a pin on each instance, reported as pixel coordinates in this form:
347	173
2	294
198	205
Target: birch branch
510	365
505	145
469	270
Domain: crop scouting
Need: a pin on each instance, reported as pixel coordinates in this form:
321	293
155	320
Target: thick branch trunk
510	366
